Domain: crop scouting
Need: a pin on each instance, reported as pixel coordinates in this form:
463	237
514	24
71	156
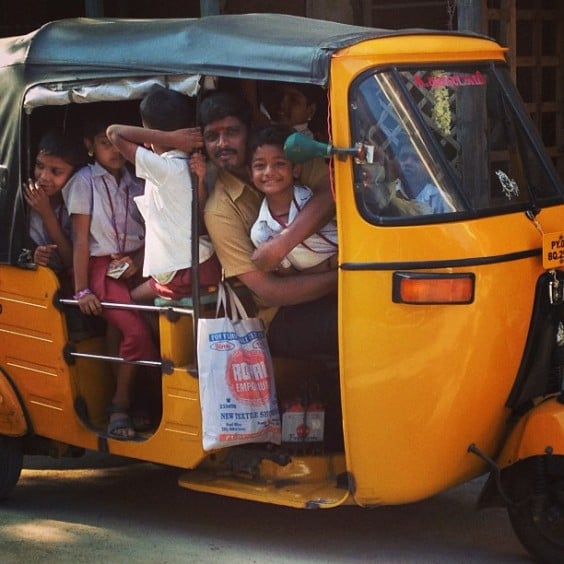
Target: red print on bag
248	376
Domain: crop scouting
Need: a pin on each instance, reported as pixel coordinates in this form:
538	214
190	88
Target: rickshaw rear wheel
538	519
11	462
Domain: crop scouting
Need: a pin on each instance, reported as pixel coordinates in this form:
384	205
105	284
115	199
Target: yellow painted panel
420	383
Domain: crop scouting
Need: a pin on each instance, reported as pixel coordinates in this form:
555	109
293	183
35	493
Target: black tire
11	462
543	536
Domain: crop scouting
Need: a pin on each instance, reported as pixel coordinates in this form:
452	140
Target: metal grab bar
137	307
166	366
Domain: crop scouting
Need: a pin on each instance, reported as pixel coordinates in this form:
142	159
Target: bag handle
230	301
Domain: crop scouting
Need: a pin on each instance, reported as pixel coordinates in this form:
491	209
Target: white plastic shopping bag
237	393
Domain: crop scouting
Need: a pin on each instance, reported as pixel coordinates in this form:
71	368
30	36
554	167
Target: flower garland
441	113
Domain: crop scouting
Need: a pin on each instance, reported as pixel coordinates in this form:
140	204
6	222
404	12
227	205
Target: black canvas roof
252	45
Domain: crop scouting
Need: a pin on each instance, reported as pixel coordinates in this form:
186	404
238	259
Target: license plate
553	250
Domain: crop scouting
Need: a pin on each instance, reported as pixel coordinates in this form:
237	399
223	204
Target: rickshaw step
320	494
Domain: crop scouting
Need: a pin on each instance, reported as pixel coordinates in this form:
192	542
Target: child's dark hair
219	105
166	109
269	135
65	146
97	125
312	93
97	117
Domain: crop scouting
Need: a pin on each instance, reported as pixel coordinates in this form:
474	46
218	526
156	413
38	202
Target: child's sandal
120	428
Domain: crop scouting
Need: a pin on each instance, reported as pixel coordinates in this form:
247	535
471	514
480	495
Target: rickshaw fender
12	418
539	432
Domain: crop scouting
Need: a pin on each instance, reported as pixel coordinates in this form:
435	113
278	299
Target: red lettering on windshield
451	80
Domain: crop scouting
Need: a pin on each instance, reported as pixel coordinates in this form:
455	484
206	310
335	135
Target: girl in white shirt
108	241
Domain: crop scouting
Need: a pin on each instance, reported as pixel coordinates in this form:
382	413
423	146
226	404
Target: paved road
135	512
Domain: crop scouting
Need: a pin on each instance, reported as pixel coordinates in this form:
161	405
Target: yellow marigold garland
441	114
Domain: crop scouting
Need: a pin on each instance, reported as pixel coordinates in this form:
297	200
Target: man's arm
273	290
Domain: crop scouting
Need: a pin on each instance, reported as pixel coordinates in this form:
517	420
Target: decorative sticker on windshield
446	80
509	187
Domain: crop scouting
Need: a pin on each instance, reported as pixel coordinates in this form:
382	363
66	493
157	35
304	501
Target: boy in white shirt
166	204
275	176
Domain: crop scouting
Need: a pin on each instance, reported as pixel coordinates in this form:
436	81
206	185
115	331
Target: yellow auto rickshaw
450	306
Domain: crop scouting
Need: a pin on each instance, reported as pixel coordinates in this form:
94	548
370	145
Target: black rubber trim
532	379
417	265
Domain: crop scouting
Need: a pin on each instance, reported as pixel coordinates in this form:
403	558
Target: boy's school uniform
311	252
166	206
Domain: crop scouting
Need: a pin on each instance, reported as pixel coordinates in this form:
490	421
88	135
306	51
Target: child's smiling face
51	172
271	171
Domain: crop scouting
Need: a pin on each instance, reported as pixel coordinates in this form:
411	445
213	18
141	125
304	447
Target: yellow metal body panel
420	383
176	336
433	48
33	336
12	418
539	432
178	439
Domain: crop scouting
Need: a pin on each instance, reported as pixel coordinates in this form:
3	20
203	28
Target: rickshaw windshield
446	143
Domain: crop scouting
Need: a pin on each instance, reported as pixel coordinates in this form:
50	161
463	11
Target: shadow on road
108	509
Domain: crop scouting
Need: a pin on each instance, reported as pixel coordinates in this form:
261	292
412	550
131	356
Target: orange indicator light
417	288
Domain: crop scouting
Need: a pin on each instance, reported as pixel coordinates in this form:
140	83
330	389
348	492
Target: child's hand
89	304
187	139
198	165
42	255
131	269
36	198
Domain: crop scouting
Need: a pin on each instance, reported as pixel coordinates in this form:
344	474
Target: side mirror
300	148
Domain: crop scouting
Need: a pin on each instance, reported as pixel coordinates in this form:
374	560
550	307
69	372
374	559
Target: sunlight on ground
49	531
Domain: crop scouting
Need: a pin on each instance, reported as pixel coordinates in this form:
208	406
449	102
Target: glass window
445	141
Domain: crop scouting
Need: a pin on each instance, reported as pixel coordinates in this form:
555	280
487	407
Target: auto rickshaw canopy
262	46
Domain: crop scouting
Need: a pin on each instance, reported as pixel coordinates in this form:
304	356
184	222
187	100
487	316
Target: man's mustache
225	152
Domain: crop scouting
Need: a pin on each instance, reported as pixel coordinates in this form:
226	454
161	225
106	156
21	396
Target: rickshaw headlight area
433	288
